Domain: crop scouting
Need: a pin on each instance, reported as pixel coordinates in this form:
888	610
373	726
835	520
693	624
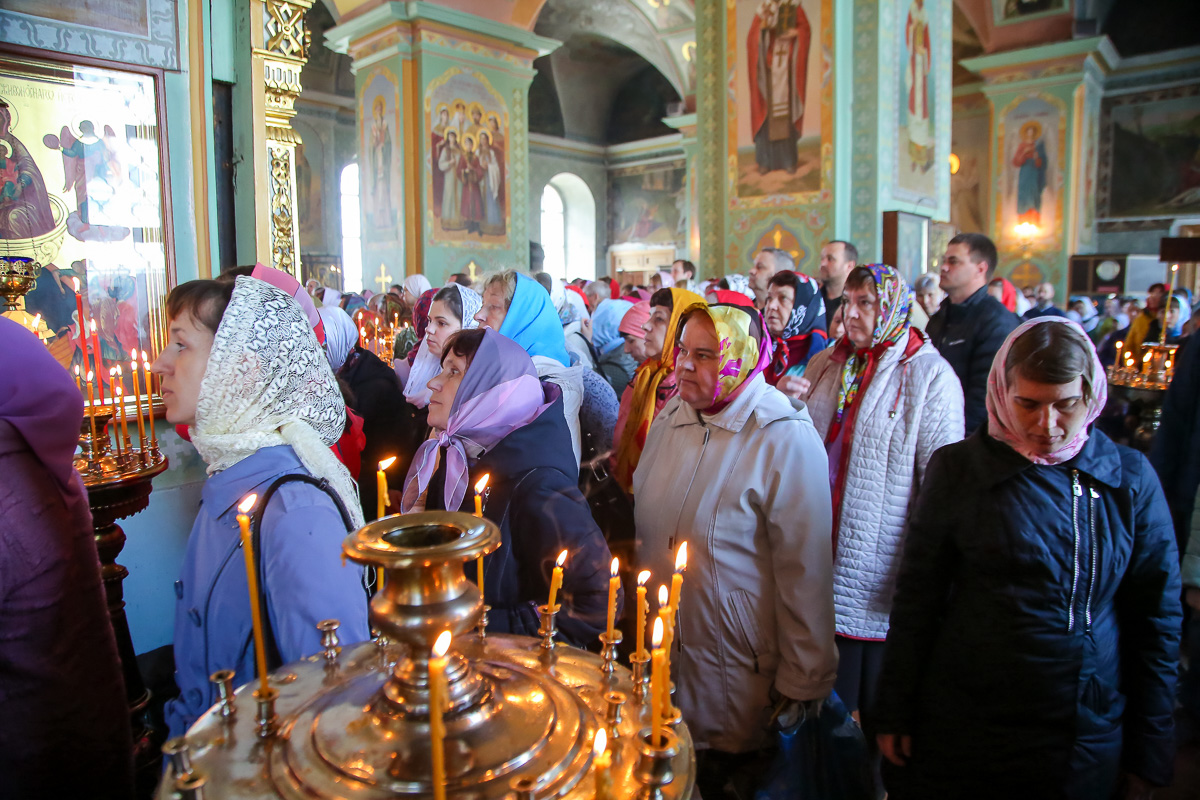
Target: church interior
355	143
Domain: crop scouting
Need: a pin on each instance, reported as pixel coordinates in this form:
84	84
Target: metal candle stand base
546	627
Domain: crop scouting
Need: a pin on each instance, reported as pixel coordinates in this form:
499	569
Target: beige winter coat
748	489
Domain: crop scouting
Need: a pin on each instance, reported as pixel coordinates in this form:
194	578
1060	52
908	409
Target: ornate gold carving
283	227
284	31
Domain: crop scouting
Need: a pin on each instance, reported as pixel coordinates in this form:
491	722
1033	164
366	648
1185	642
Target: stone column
435	202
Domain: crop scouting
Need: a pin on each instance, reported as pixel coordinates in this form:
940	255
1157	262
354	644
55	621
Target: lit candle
37	323
91	407
362	336
614	583
137	397
99	359
437	702
656	683
260	650
78	384
120	391
83	346
382	487
479	487
149	400
643	608
603	759
666	615
116	419
556	578
677	578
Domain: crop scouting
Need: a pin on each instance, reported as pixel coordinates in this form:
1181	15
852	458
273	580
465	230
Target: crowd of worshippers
896	493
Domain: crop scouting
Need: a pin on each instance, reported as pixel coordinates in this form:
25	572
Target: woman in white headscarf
340	335
243	370
453	308
414	287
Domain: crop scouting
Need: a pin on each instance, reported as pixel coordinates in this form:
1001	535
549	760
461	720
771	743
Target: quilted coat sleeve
927	571
942	418
1150	621
799	519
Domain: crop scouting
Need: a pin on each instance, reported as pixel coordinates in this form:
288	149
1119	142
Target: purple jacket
61	690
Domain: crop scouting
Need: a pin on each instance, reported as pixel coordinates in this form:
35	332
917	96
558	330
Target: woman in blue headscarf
615	364
516	306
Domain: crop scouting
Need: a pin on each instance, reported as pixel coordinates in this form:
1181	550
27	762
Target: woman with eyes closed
1034	633
243	370
490	414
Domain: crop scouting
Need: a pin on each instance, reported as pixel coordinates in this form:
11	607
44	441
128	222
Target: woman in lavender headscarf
490	414
60	679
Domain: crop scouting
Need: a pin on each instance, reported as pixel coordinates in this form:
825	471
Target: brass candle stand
118	482
520	718
1145	382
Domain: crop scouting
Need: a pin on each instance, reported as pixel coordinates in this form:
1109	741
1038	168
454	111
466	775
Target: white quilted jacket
911	408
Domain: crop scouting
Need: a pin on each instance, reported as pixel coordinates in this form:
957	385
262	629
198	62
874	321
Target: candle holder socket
179	753
268	720
546	627
483	622
638	663
612	713
190	787
223	678
524	788
655	768
329	638
608	651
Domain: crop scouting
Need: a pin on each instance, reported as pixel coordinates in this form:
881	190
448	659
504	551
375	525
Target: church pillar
443	139
278	49
686	125
899	146
1044	134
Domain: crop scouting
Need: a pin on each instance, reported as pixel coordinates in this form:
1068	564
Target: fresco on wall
467	123
915	134
1031	151
1152	150
1015	9
647	205
968	175
778	90
380	186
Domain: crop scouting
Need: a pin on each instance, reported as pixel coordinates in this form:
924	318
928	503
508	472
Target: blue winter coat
305	581
1029	655
535	500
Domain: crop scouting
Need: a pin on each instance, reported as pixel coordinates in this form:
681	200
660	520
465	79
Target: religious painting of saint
82	191
467	162
779	89
379	123
644	205
916	138
1030	152
969	144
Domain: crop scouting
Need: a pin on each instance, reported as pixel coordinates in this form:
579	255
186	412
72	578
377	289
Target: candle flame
76	370
562	558
120	371
133	364
482	483
90	376
362	330
1145	358
112	372
37	321
144	356
93	324
442	644
1119	343
657	637
681	557
76	282
247	504
601	742
117	389
614	568
133	354
387	462
662	595
643	576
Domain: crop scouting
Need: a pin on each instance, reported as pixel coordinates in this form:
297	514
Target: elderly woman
490	414
243	370
883	400
616	365
795	316
60	678
1035	627
736	469
653	383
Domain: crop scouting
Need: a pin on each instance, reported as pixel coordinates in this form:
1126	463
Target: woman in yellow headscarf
654	382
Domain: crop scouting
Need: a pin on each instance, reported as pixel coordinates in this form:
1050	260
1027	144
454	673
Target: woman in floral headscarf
884	400
795	316
737	469
654	382
1035	627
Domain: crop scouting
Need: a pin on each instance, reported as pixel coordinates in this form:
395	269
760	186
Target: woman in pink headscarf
1034	634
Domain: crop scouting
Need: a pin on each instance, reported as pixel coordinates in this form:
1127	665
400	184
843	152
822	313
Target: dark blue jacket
1176	451
535	500
1035	632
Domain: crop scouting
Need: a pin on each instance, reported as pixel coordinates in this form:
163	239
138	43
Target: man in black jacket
971	324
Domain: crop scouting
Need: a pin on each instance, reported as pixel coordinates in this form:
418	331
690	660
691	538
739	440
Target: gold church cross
473	270
384	280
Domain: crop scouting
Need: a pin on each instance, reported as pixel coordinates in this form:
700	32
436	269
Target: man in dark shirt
1044	307
971	325
838	260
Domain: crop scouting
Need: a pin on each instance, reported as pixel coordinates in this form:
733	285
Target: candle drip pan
353	722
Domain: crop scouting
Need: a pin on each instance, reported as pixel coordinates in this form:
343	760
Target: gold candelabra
523	717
